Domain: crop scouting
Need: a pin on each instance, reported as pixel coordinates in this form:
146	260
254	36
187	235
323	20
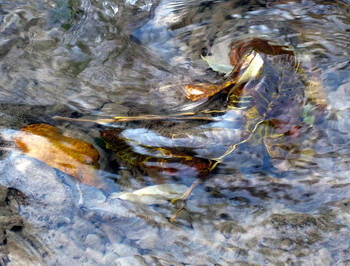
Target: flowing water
93	59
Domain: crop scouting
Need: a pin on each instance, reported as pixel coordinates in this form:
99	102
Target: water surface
98	59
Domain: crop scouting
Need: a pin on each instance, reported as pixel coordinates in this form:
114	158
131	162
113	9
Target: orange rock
72	156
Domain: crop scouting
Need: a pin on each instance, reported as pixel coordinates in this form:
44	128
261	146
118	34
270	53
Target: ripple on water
106	58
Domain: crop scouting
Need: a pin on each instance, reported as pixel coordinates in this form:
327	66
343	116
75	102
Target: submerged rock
18	244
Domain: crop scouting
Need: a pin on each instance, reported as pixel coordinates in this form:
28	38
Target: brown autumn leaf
197	92
246	69
239	48
72	156
240	64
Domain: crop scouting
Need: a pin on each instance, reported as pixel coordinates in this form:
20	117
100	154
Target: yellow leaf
200	91
251	66
316	93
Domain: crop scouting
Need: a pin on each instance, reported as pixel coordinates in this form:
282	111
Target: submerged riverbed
90	59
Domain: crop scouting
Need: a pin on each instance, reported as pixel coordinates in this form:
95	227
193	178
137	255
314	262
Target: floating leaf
157	194
72	156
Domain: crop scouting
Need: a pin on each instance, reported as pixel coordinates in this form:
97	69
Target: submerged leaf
247	69
307	115
164	159
72	156
200	91
156	194
218	67
242	47
316	93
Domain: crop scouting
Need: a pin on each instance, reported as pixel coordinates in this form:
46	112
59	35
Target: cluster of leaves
80	159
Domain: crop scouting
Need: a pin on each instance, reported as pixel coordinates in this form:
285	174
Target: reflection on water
98	59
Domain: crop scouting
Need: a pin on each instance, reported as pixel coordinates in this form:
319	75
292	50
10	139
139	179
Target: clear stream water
96	59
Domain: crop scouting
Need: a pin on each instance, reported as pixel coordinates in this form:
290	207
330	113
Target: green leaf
222	68
307	117
66	26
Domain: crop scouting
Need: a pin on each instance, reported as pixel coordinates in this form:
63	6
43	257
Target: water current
96	59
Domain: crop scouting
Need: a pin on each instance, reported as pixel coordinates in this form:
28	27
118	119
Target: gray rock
123	250
131	260
93	241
